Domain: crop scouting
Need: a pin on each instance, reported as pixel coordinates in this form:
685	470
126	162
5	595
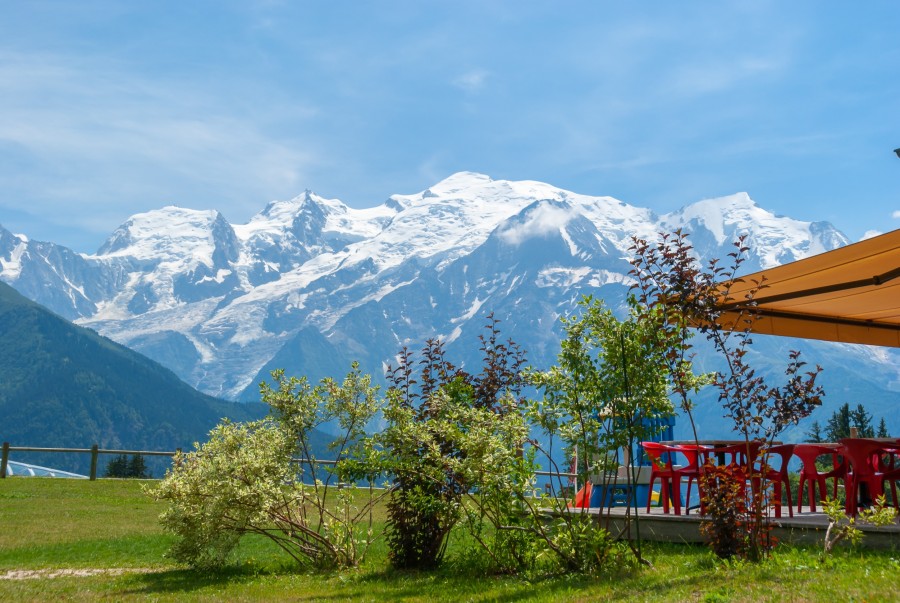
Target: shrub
729	529
244	480
612	375
669	278
842	527
427	445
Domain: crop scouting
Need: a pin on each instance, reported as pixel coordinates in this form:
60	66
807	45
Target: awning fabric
850	295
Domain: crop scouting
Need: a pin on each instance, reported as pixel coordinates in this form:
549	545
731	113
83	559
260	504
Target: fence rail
95	451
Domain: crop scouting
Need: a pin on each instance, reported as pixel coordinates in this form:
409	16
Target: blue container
618	495
658	429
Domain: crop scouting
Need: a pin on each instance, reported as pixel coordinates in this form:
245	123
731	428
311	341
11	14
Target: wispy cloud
94	126
541	222
472	81
119	109
719	75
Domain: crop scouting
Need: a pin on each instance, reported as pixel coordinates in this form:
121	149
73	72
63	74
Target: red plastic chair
663	469
863	475
694	454
777	477
888	464
812	477
739	457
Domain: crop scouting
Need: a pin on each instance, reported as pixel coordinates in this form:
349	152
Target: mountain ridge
221	303
66	386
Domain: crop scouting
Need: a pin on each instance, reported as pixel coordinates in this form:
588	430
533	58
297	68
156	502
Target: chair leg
850	489
876	488
811	495
803	480
776	498
823	490
663	493
687	498
675	484
787	494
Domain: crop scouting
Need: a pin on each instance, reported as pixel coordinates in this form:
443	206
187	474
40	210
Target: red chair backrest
783	452
692	452
655	452
862	454
736	454
809	453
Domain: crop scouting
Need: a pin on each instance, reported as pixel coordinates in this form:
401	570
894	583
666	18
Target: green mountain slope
66	386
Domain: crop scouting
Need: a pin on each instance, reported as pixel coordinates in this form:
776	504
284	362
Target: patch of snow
220	276
453	336
561	277
583	275
12	268
470	313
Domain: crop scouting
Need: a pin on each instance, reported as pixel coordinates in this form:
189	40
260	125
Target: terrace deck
803	528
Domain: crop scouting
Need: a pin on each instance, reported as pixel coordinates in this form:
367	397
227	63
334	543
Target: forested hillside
66	386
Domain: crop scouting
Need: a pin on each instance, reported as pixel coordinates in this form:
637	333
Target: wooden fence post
4	460
94	453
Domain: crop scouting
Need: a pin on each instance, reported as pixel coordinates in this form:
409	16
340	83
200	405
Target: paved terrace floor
805	527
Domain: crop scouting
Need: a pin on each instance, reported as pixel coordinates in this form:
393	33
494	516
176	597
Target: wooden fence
95	451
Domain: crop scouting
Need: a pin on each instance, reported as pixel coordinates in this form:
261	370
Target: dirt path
67	573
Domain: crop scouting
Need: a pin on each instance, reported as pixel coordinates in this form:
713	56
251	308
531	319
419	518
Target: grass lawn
52	529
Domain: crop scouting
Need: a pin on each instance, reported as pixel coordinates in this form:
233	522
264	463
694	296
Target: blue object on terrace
615	490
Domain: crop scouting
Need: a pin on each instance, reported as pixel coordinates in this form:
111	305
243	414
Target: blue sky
112	108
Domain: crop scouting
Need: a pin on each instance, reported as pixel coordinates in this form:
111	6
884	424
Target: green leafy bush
430	445
245	480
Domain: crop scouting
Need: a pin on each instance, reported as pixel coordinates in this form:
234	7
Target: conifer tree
137	468
838	426
814	434
862	420
117	467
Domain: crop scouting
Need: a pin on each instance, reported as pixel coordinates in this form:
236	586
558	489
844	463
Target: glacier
310	284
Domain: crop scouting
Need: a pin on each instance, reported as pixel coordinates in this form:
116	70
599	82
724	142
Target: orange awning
850	295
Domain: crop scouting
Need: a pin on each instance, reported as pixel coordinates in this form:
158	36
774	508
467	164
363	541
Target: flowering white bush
243	480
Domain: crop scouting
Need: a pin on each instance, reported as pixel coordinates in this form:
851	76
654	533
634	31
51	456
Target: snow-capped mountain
310	284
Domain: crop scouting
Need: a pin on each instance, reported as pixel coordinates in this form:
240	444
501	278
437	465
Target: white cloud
102	135
542	221
896	214
719	75
472	81
871	233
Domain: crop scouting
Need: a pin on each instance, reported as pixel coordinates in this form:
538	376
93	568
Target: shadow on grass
384	583
174	581
682	573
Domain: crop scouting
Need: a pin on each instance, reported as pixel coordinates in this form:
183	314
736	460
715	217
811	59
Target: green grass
52	524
